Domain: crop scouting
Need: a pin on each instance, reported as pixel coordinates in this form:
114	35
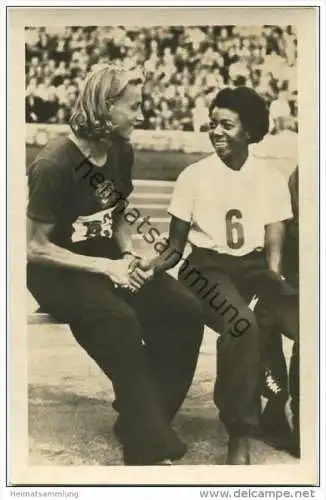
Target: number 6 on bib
234	229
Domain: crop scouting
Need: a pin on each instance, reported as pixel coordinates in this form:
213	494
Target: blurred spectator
166	115
62	115
208	58
184	66
280	113
45	89
32	85
33	109
267	87
149	115
62	91
214	80
290	45
195	37
199	115
238	70
184	115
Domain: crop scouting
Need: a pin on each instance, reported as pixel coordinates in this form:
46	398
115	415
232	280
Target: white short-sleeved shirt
228	210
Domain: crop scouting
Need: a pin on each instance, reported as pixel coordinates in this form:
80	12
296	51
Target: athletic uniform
278	385
227	268
290	269
84	202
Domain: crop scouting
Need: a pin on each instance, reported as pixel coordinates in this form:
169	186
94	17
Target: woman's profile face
126	111
227	133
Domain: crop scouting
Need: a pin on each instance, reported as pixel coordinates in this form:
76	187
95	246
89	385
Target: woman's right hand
116	270
140	271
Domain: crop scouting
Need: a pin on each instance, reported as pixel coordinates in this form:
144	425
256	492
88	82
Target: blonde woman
79	268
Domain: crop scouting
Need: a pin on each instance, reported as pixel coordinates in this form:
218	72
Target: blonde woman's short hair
101	87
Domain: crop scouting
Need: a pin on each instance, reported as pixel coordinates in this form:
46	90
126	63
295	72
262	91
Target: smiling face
227	133
126	110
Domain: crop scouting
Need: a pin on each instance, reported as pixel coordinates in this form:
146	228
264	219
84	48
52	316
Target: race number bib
98	225
234	229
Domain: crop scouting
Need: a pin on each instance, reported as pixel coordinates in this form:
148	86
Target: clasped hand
129	272
140	270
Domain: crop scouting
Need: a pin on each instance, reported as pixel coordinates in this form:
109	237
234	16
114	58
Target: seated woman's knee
122	322
239	322
183	303
128	320
191	305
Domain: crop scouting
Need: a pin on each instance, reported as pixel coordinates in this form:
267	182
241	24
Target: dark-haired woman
79	268
231	208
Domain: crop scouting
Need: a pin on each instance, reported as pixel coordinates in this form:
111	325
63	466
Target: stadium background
69	418
184	66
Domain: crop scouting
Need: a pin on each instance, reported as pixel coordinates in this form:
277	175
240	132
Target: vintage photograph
162	274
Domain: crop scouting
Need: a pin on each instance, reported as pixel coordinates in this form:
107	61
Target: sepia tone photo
164	172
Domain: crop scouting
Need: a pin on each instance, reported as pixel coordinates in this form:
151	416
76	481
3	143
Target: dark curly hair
250	107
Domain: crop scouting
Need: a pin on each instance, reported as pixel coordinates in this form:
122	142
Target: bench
36	316
41	318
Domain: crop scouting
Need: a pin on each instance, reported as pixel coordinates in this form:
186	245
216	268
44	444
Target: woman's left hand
140	271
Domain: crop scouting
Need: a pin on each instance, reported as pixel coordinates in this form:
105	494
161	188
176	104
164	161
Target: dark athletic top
83	201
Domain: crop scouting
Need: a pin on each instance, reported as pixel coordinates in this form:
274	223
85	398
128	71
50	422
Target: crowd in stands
184	67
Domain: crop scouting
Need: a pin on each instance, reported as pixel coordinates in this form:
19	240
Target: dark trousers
275	360
287	322
146	343
275	366
291	271
225	286
274	356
